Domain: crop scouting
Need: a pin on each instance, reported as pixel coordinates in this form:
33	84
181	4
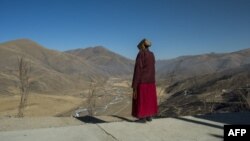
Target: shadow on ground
123	118
90	119
228	118
223	118
199	122
217	136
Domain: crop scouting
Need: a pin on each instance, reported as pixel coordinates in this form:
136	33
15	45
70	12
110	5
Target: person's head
144	44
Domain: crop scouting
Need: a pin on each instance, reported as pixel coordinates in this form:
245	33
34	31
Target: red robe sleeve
137	70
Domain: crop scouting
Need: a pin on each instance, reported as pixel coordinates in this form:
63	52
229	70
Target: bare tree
24	75
91	97
244	99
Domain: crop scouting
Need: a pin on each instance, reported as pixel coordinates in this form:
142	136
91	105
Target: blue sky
175	27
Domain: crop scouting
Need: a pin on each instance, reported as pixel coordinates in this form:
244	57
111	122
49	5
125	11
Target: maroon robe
145	104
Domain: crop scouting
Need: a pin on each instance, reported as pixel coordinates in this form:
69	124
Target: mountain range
190	66
55	71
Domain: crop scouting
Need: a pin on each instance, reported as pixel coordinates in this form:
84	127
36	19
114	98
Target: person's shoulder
139	54
151	52
144	52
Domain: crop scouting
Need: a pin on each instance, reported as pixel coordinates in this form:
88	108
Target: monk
144	104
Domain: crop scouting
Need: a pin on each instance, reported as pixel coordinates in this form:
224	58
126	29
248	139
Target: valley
96	81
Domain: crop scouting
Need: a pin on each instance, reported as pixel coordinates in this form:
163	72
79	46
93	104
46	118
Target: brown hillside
50	70
190	66
110	62
227	91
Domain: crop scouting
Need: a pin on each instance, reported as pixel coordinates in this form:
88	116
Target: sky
175	27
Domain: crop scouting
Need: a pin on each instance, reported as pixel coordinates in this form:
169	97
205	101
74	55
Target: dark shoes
141	120
144	120
149	119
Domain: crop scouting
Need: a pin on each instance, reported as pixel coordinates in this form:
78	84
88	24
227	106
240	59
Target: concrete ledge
189	128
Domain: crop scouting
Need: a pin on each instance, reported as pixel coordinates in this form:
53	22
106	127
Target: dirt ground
39	105
54	110
12	124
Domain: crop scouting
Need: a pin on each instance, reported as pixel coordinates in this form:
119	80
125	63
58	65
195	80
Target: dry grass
38	105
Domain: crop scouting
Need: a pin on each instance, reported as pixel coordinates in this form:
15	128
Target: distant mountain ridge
106	60
189	66
52	71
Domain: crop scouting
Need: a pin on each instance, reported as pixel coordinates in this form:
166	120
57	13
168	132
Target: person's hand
134	94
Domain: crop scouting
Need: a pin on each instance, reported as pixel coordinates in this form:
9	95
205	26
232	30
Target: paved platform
189	128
